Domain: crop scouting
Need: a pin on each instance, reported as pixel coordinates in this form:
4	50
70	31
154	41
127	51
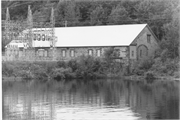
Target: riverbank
87	67
131	77
140	78
84	67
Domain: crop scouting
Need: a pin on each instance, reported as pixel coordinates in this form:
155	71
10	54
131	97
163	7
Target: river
112	99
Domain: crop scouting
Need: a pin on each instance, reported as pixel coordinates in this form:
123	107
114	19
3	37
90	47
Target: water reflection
102	99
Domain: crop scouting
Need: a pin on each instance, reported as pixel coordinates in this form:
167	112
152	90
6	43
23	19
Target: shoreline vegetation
131	77
84	67
90	68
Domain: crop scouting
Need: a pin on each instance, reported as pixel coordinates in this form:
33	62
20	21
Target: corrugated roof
110	35
113	35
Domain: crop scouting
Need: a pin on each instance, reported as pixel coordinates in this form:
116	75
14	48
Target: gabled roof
112	35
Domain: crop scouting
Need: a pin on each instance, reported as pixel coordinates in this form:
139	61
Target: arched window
98	52
64	53
90	52
45	53
41	52
43	37
72	53
39	37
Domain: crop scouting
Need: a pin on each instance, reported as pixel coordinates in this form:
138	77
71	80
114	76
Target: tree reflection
158	100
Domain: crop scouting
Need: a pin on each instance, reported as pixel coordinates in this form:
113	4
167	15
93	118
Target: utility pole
6	35
179	37
30	25
7	24
52	22
29	40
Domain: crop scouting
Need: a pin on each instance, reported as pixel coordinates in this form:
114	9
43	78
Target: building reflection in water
102	99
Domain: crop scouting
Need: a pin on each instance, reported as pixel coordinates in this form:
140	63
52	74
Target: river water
91	100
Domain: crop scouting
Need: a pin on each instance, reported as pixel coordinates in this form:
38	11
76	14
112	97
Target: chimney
66	23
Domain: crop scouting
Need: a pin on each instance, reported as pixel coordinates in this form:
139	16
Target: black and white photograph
90	59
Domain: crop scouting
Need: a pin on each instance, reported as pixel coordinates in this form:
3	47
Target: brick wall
142	44
78	51
142	40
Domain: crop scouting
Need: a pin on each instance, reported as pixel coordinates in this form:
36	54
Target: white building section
113	35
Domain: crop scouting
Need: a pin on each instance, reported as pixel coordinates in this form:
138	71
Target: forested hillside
161	15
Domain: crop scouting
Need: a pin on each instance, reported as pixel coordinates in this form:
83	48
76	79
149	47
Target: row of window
43	53
90	52
41	37
12	46
38	37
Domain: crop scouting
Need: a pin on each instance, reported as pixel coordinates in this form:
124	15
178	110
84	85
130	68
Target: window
39	37
132	54
45	53
116	53
98	53
149	38
72	53
43	37
147	53
90	52
49	38
46	38
64	53
34	37
140	53
37	53
41	52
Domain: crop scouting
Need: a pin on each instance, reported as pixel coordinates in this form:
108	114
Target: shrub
139	72
146	64
108	54
177	74
89	67
39	72
25	74
7	69
63	73
149	75
167	67
73	65
61	64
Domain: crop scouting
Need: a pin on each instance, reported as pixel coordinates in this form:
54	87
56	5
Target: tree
119	15
98	16
67	11
156	14
170	42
